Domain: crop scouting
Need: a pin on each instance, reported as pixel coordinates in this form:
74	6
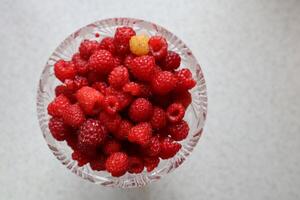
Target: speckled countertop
250	55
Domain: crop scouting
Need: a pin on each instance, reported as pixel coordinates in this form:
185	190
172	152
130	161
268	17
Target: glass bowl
195	114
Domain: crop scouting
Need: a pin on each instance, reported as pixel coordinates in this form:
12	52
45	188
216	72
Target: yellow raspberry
139	45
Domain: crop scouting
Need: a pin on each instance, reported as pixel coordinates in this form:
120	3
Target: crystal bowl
195	114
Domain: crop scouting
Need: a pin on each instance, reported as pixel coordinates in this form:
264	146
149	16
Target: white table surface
250	55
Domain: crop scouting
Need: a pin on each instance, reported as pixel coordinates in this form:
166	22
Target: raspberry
80	64
73	115
121	39
171	61
71	140
61	89
163	82
117	61
179	131
107	43
111	146
136	165
124	99
128	60
163	132
143	67
91	134
58	105
184	80
98	164
162	100
158	119
168	148
117	164
153	147
111	122
76	84
101	61
145	91
81	158
151	163
184	98
89	99
140	133
140	110
118	77
64	70
139	45
111	104
58	129
100	86
158	47
132	88
156	70
175	112
123	131
87	48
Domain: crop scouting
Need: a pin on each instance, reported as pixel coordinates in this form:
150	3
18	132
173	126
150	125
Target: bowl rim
167	167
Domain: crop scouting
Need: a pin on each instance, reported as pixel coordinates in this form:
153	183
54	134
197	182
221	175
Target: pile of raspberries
121	103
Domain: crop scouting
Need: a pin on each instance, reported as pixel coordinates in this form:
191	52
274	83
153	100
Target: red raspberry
140	110
142	67
151	163
72	141
171	61
107	43
111	122
89	99
80	64
58	129
128	60
73	116
94	77
124	99
111	104
184	98
81	158
153	147
162	100
121	39
185	80
136	165
111	146
157	70
77	83
123	131
132	88
58	105
175	112
98	163
101	61
179	131
168	148
158	119
91	134
140	133
87	48
64	70
145	91
117	164
61	89
158	47
100	86
118	61
118	77
163	82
